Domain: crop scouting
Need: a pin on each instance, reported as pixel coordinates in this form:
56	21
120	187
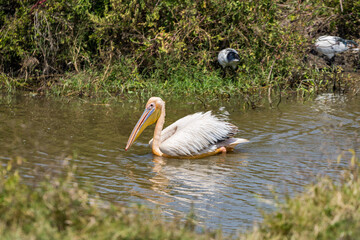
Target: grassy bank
164	48
185	81
327	209
58	207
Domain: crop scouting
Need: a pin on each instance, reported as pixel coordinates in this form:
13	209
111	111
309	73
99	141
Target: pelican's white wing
195	134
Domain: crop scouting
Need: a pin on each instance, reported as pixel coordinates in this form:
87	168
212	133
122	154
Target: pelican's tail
231	143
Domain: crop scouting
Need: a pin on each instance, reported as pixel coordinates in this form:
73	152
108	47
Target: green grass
182	80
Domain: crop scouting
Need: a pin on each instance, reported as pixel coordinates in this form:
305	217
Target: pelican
228	57
330	45
194	136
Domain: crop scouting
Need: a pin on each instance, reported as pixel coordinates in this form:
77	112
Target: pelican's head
149	116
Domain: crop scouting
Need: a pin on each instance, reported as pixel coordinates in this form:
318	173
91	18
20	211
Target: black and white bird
229	57
331	45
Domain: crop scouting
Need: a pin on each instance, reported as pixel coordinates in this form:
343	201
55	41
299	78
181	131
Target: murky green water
289	146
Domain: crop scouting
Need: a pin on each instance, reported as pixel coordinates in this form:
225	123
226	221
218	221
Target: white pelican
330	45
194	136
229	57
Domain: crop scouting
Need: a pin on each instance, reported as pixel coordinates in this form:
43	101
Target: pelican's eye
151	106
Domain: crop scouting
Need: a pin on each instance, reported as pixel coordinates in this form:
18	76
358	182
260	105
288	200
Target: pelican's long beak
149	116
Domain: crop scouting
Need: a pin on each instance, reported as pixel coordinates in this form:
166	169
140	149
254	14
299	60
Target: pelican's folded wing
192	134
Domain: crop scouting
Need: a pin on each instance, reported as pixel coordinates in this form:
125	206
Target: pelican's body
194	136
228	57
331	45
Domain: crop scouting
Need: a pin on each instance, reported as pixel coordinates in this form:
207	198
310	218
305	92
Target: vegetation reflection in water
289	147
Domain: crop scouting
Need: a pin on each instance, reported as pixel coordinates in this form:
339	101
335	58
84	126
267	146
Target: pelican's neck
157	132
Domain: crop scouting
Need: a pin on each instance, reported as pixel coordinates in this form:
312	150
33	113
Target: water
289	147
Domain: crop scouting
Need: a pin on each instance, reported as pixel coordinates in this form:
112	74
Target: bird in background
228	57
331	45
193	136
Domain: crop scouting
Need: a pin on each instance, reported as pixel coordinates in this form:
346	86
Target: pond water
289	147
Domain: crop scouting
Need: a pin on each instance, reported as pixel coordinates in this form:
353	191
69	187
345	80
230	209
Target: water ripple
289	147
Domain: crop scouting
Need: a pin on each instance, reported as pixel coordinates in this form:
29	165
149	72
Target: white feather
196	134
330	45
